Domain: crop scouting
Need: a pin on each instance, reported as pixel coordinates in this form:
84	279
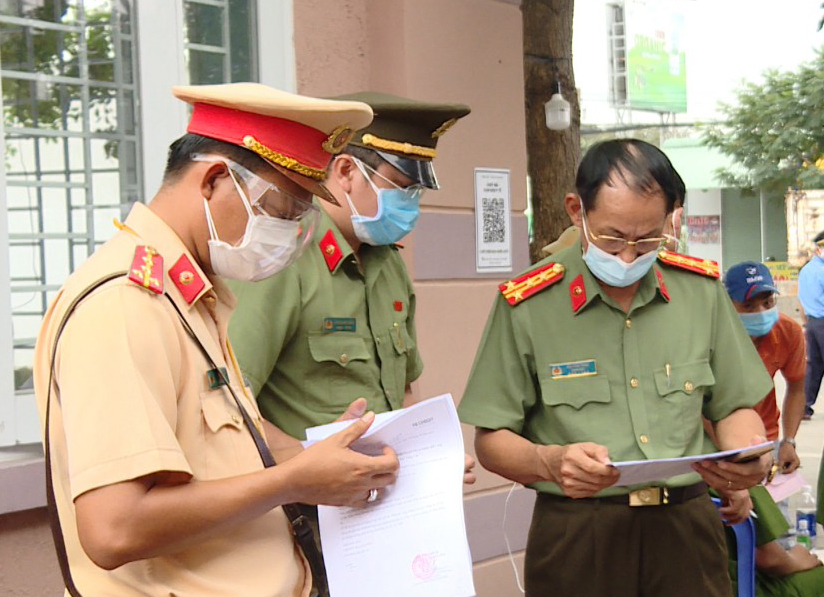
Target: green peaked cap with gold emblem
405	131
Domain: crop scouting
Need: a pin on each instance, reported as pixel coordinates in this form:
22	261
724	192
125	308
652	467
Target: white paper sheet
412	541
644	471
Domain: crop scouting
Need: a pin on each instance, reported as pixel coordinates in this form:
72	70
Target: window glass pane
207	68
228	30
204	24
71	147
52	11
241	32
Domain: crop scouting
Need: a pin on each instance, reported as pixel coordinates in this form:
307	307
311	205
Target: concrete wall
467	51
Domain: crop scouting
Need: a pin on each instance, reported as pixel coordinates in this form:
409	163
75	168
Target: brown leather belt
654	495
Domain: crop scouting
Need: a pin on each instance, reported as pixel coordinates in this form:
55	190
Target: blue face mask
760	322
398	210
613	270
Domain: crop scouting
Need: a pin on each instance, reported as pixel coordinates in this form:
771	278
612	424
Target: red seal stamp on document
423	566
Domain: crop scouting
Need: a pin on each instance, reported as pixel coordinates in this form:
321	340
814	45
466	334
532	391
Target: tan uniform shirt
134	399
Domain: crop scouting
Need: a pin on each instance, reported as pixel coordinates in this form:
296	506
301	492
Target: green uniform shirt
637	383
320	334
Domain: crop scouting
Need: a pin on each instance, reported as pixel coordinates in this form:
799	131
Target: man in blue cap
811	295
779	340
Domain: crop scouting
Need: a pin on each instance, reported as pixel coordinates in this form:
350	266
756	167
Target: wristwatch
789	440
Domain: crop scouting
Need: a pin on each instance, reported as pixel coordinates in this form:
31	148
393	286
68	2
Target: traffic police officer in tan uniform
600	355
158	482
340	323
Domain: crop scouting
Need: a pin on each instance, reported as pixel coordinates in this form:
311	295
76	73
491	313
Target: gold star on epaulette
524	286
706	267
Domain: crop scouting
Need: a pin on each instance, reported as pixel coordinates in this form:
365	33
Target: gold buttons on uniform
634	382
344	357
688	386
396	324
644	439
629	323
236	419
329	249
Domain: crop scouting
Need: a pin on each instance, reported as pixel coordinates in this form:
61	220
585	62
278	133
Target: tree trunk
552	156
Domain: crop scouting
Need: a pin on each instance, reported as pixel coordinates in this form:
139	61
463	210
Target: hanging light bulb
556	111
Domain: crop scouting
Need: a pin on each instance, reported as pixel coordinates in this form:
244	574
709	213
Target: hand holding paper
337	475
411	541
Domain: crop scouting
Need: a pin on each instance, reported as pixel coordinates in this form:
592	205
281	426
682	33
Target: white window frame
159	26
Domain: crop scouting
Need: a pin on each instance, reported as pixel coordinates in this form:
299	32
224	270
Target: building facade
88	115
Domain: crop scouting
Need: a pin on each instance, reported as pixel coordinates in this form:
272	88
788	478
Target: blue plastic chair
745	546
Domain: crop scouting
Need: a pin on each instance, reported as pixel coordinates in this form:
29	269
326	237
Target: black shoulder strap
54	515
300	525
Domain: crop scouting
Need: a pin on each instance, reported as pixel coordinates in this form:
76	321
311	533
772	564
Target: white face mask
269	244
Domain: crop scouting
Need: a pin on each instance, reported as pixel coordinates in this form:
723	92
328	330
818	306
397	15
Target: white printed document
411	542
644	471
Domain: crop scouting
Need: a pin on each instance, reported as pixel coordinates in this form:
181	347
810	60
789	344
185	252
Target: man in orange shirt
779	340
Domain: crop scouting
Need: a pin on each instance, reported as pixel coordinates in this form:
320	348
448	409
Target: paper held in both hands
411	542
645	471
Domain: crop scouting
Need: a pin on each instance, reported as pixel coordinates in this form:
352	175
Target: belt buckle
649	496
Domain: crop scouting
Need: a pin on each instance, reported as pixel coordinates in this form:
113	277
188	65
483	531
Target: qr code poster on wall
493	224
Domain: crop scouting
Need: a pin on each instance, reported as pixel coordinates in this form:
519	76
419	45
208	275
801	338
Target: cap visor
758	289
421	171
310	184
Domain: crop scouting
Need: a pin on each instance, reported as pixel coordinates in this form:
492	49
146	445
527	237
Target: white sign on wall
493	221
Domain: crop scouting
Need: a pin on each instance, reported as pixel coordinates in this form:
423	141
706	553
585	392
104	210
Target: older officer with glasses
599	354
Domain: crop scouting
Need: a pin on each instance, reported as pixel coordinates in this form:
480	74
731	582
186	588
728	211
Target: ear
572	204
210	174
343	171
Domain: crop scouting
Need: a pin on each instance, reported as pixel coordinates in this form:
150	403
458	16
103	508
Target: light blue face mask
398	210
760	322
611	269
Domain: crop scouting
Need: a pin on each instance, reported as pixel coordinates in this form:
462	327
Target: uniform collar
584	286
331	243
185	280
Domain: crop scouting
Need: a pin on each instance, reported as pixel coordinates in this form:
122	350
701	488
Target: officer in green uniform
779	573
604	357
340	322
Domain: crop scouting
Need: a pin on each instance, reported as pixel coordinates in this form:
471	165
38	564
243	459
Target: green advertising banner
656	62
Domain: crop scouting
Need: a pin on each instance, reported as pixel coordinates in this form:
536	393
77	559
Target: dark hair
368	156
818	237
641	166
182	150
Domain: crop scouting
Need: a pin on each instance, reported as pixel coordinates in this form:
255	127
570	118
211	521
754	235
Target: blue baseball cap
746	279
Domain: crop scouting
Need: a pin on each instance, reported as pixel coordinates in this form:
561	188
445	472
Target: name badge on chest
339	324
573	369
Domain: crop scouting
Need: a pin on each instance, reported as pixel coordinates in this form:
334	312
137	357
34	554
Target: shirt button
634	382
688	386
629	323
396	324
644	439
236	419
344	357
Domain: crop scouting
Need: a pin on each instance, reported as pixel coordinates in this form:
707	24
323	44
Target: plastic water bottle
805	510
802	534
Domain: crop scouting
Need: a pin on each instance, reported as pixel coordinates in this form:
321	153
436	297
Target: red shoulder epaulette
147	269
532	282
707	267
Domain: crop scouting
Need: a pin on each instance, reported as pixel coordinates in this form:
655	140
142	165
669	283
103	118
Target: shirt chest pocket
218	412
681	390
688	378
575	392
338	348
580	408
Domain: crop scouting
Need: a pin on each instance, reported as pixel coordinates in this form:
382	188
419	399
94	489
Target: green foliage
775	133
49	105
